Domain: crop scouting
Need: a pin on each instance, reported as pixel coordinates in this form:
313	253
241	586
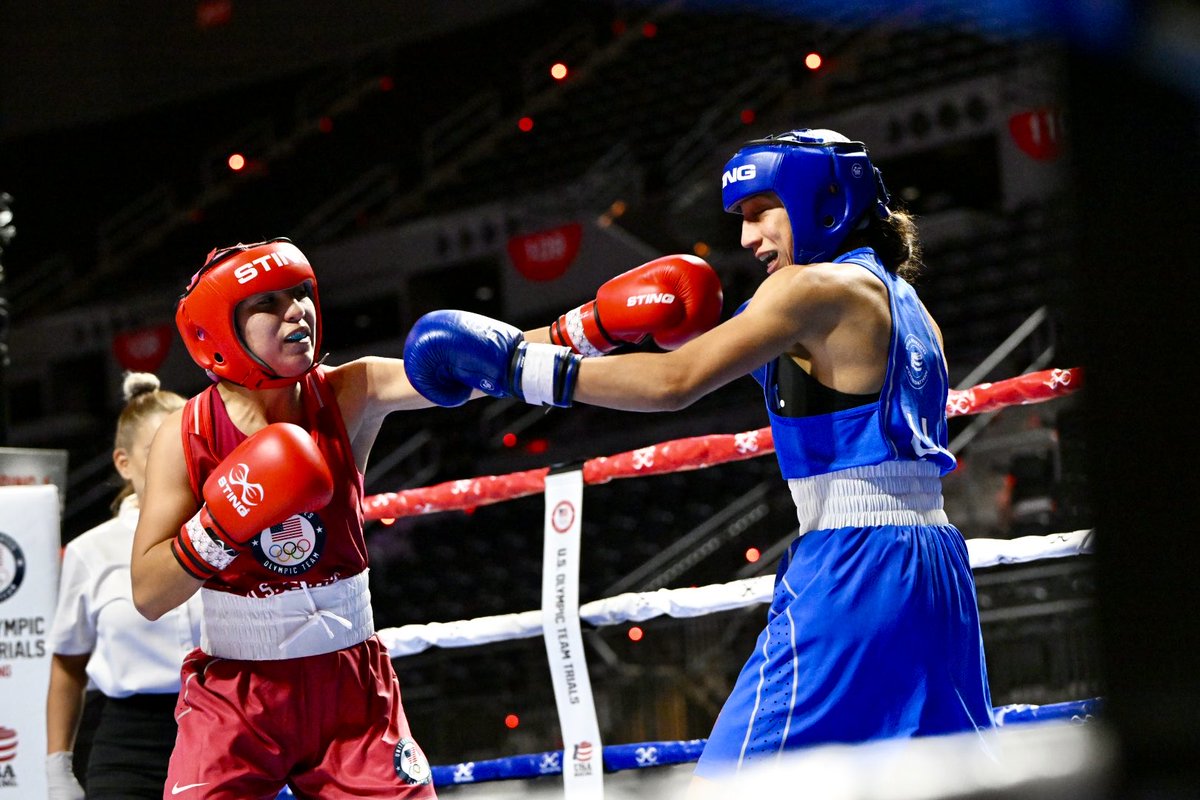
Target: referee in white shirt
99	639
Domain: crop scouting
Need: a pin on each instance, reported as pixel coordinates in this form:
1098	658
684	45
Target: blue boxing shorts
872	633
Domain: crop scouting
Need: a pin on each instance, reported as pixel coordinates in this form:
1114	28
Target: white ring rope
408	640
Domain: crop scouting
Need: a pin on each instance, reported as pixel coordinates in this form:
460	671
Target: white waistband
891	493
301	622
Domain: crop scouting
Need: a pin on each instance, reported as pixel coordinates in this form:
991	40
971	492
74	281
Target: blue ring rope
619	757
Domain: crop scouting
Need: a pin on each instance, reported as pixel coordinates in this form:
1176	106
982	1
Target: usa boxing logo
581	755
410	763
293	546
917	367
12	566
8	753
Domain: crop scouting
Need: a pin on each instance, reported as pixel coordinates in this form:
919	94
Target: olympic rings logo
292	546
289	551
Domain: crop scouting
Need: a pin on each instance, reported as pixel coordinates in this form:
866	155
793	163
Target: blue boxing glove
450	353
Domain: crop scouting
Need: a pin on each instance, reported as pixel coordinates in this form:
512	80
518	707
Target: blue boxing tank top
908	420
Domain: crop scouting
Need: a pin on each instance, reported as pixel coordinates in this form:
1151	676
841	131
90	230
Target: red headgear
205	314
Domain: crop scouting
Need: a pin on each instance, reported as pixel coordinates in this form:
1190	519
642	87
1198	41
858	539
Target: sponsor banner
29	566
213	13
144	349
29	466
545	255
582	763
1039	132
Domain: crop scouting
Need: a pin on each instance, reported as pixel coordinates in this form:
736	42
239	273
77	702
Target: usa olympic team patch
410	762
293	546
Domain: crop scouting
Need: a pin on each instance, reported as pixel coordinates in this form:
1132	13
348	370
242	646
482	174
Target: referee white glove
60	779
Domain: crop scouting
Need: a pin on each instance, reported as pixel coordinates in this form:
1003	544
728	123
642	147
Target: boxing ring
585	759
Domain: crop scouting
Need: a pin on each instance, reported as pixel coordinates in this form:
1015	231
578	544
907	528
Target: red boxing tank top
315	548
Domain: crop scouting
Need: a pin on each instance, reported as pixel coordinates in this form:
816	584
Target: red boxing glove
673	298
274	474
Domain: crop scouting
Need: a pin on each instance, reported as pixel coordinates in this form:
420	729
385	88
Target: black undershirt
801	395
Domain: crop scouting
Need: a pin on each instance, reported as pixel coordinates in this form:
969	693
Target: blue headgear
825	181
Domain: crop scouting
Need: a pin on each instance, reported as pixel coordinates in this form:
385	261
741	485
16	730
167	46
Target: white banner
29	566
28	466
583	762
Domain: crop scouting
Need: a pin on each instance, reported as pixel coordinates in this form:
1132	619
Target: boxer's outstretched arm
791	306
672	299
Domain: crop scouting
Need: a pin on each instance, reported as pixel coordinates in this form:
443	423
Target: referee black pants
131	748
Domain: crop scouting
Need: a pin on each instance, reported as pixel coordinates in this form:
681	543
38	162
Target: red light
536	446
213	13
511	721
325	124
812	61
510	440
747	116
752	554
525	124
236	162
558	71
618	27
636	634
649	30
386	84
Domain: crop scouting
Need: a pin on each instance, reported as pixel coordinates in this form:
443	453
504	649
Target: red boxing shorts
328	726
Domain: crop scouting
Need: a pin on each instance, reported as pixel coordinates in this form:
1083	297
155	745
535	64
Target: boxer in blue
873	631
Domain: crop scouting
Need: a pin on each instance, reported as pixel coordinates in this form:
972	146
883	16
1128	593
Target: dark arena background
509	156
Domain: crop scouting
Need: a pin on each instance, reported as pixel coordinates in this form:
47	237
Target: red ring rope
697	452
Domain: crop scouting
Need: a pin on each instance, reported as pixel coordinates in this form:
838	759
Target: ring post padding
582	765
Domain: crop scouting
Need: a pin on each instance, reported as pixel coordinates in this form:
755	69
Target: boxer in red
253	498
